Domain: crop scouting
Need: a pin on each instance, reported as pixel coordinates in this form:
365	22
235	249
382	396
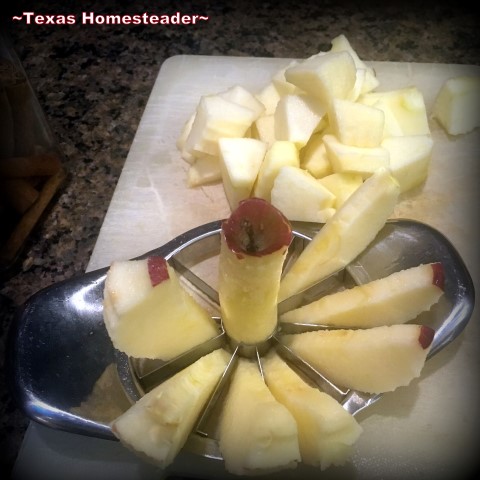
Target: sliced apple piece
253	246
296	118
241	96
203	170
147	312
257	434
409	159
240	161
264	129
404	109
280	154
360	160
314	158
327	76
397	298
326	432
342	185
341	44
217	117
180	143
269	97
356	124
358	88
299	196
158	424
344	235
456	105
375	360
283	86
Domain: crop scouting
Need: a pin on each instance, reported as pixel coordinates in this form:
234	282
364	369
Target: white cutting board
426	430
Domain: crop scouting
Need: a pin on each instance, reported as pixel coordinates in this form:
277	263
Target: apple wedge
301	197
281	84
204	169
241	96
404	109
269	97
158	424
240	161
456	106
314	158
341	44
263	129
217	117
398	298
324	76
356	124
375	360
409	158
147	312
296	118
342	185
349	159
257	434
326	432
280	154
345	235
253	245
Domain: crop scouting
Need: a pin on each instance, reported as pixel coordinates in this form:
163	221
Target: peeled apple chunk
349	159
301	197
457	105
159	423
217	117
253	245
341	44
147	312
398	298
240	161
280	154
326	431
342	185
409	159
375	360
296	118
324	76
345	235
404	109
356	124
257	434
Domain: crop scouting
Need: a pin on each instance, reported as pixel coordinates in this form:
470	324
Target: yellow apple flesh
158	424
152	321
280	154
257	434
397	298
345	235
240	161
456	105
326	432
374	360
301	197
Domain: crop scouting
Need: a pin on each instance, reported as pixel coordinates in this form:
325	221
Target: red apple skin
256	228
426	336
438	275
157	270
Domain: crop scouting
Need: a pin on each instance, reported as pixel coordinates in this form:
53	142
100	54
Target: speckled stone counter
93	82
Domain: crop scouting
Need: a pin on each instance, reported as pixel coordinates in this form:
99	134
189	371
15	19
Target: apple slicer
65	373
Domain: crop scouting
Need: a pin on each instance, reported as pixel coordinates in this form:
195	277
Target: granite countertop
93	82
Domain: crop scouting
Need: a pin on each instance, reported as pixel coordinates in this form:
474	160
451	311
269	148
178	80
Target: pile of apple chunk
277	420
310	138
